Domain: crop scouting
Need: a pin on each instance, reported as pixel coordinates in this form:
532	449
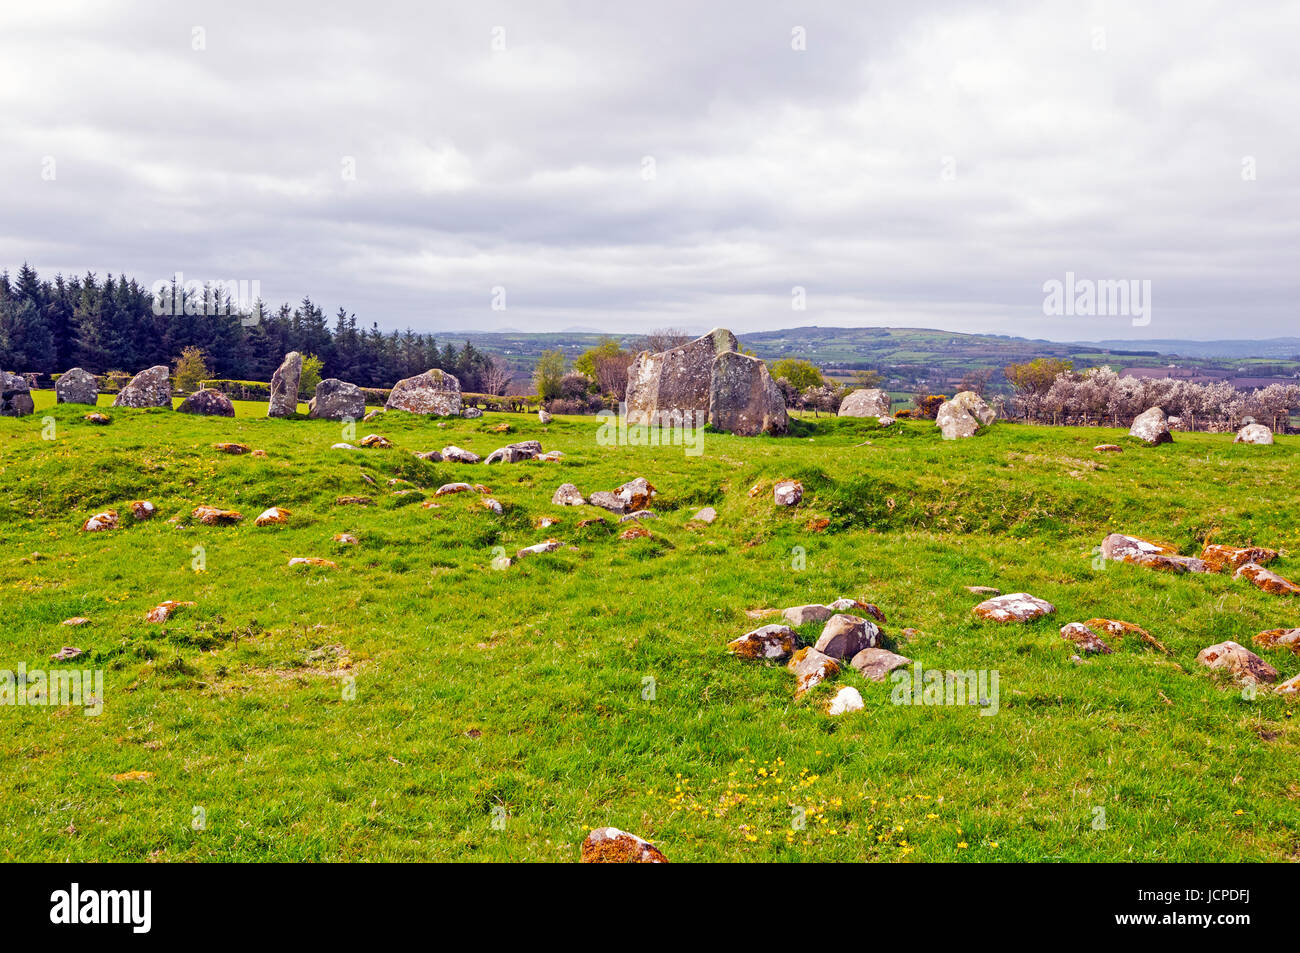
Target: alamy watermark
70	688
1086	297
661	428
917	686
175	296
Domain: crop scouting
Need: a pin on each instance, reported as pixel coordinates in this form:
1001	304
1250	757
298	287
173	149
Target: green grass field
502	714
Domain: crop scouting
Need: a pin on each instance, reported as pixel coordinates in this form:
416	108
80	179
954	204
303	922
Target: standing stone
433	392
543	415
77	387
868	402
15	396
337	400
1254	433
207	403
151	388
1152	427
743	398
675	383
284	386
963	415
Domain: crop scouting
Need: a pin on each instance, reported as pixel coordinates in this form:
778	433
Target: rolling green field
414	703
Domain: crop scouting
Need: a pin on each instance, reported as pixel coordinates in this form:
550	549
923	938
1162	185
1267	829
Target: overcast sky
626	166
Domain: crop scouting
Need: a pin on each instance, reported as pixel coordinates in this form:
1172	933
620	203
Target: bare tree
611	373
496	377
662	339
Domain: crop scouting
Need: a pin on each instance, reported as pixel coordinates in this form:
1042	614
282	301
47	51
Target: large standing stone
743	398
976	406
433	392
15	396
1152	426
963	415
77	387
151	388
1254	433
867	402
284	386
208	403
337	400
675	384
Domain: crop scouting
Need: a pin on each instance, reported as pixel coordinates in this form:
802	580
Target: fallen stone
876	663
284	386
215	516
1016	607
163	611
984	590
639	515
75	621
207	403
343	446
1219	558
844	636
77	386
150	388
810	668
1151	427
1238	661
672	387
1290	687
1269	581
433	392
543	416
609	845
766	642
885	421
272	517
457	455
493	505
788	493
866	402
594	521
101	521
551	456
471	413
353	501
963	415
853	605
1130	549
847	699
634	532
1088	641
345	538
433	456
1254	433
515	452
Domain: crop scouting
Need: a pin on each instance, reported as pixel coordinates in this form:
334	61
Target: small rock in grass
543	416
1108	448
163	611
101	521
1290	687
457	455
353	501
100	419
788	493
639	515
345	538
375	440
853	605
1016	607
1220	558
607	500
810	668
275	515
609	845
1278	639
844	636
1267	580
984	590
545	522
75	621
876	663
847	699
706	515
1238	661
546	546
313	561
493	505
766	642
449	488
594	521
432	456
1119	630
342	446
65	653
142	510
215	516
802	615
636	494
567	495
634	532
1088	641
1254	433
233	448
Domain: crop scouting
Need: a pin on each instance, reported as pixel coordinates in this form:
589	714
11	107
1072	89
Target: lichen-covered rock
207	403
866	402
1280	639
634	532
607	500
847	699
546	546
376	441
231	448
673	386
77	386
15	396
1269	581
353	501
100	522
1151	427
471	413
706	515
1088	641
457	455
609	845
433	392
515	452
1130	549
100	419
346	539
802	615
215	516
636	494
163	611
1220	558
787	493
1119	630
1108	448
1014	607
1238	661
337	400
974	405
853	605
766	642
811	668
142	510
284	387
275	516
448	488
876	663
1254	433
567	495
433	456
313	561
492	505
844	636
743	398
149	388
954	422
